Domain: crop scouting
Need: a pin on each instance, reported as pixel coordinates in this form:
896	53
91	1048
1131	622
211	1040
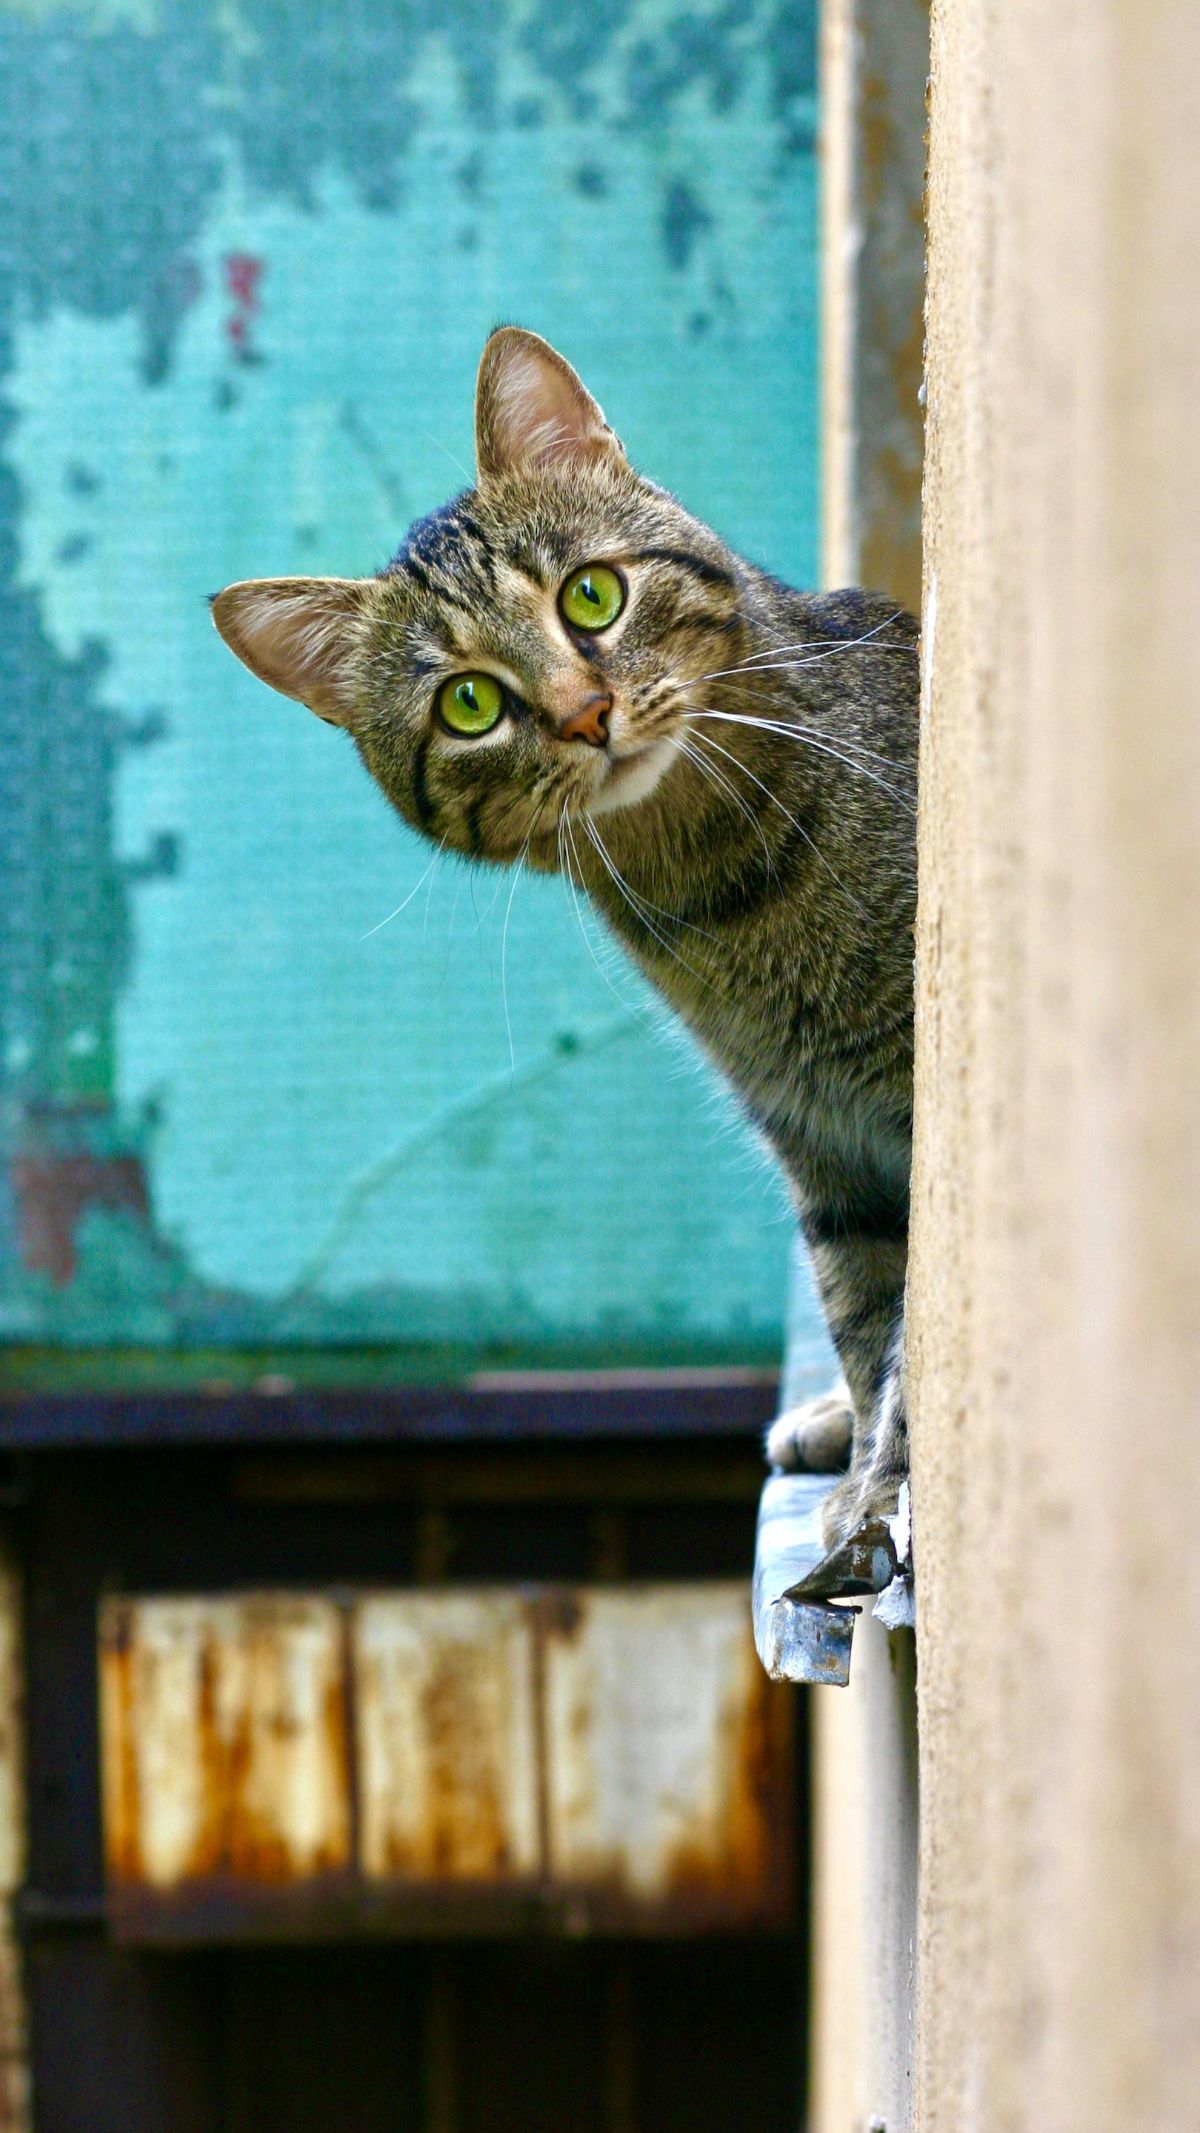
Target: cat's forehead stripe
448	558
683	559
439	586
541	555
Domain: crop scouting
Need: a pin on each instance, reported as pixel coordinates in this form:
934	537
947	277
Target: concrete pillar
874	63
1054	1321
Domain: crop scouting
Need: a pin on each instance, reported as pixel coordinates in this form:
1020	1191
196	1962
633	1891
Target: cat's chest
757	998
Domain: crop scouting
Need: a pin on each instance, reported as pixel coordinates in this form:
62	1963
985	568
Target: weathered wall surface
1055	1311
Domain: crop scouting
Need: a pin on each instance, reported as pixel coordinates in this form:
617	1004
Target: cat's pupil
589	592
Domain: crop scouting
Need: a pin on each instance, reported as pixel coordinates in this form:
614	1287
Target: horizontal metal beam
498	1408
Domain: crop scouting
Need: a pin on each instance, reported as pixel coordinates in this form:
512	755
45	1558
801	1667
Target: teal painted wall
250	253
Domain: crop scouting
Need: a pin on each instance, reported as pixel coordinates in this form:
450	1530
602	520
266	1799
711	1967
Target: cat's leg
861	1282
879	1462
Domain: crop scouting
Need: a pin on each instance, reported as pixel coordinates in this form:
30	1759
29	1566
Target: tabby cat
563	668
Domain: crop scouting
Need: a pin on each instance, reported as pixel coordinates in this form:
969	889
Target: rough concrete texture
1055	1289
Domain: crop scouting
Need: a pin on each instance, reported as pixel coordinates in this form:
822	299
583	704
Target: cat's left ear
532	412
301	636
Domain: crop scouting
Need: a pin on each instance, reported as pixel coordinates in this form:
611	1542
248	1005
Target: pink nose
590	722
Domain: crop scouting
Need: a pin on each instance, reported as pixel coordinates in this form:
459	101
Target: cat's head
531	649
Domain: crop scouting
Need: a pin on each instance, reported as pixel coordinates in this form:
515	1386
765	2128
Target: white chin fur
633	779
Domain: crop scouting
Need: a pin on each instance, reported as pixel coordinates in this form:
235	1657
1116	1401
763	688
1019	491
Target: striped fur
762	874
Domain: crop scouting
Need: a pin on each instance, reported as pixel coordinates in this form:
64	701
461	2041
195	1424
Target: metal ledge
797	1640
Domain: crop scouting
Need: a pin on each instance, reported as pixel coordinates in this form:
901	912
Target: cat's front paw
815	1437
867	1551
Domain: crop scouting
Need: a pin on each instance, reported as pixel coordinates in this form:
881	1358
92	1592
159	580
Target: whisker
629	896
564	824
458	882
445	451
644	903
519	867
788	724
811	842
852	747
711	774
761	664
408	899
849	754
809	740
425	920
825	648
512	1055
504	933
725	785
876	630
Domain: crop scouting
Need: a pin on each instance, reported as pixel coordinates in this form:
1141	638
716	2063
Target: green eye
592	598
471	703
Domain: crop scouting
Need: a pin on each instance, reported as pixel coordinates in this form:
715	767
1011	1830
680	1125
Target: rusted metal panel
224	1741
662	1747
439	1761
447	1737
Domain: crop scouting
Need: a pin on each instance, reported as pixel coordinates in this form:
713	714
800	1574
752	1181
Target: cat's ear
531	411
300	635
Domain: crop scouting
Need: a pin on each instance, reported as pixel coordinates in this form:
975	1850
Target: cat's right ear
300	635
532	411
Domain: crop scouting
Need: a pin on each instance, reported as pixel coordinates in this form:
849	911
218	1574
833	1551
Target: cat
562	667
